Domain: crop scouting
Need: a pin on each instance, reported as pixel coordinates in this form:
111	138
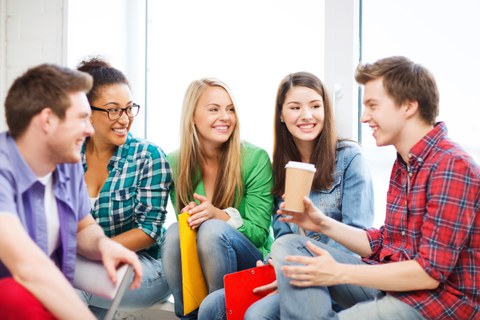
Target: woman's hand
272	286
203	212
311	219
321	270
189	207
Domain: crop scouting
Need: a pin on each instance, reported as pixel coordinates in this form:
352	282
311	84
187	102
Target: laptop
91	276
124	284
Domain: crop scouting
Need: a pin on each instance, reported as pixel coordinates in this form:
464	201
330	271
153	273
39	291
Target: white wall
115	30
342	49
65	31
32	33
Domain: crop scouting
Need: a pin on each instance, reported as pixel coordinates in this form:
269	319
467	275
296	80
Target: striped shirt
433	205
135	193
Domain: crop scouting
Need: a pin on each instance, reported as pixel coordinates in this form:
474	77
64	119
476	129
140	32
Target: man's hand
321	270
311	219
114	254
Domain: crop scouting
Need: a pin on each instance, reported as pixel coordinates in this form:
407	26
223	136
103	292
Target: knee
211	233
265	308
171	246
251	313
281	246
172	235
172	238
213	306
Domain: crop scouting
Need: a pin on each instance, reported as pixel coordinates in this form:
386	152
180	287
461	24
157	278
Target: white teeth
222	128
306	126
123	130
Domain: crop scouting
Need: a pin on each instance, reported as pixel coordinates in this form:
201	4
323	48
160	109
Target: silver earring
281	120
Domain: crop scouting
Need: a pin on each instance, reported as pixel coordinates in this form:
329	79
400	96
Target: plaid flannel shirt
432	218
135	193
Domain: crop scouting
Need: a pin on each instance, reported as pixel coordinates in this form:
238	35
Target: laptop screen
127	278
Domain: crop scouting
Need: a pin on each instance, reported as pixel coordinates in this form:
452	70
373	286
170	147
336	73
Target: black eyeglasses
116	113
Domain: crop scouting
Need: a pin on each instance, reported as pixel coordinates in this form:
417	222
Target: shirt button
403	233
410	174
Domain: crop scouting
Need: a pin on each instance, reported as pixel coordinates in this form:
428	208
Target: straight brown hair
284	147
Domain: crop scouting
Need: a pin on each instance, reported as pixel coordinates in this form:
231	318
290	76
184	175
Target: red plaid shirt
432	217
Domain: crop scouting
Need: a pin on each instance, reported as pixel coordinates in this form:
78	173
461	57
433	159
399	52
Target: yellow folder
193	283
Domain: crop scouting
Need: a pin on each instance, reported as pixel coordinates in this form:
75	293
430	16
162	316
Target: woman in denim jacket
342	186
348	199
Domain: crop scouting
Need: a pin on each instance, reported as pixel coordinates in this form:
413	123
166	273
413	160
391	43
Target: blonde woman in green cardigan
225	186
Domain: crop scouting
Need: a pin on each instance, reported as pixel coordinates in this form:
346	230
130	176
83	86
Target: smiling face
214	117
304	114
384	117
112	132
68	135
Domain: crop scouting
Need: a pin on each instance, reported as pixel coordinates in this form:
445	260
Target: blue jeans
222	249
154	288
316	302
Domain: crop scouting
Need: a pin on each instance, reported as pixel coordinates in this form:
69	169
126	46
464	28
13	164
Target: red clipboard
239	289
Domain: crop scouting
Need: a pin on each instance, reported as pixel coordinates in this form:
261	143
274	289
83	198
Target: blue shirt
349	199
22	194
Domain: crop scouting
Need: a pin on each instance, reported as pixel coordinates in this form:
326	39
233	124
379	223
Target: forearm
52	289
397	276
88	238
354	239
134	239
32	269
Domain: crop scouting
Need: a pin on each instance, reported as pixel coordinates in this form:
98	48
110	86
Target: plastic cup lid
301	165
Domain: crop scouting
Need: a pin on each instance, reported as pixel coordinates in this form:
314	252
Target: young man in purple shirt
44	206
424	262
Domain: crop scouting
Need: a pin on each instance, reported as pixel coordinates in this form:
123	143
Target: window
441	36
250	45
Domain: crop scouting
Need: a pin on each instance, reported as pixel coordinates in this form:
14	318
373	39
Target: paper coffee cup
298	182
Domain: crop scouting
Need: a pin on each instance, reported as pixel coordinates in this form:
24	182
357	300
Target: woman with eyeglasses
128	181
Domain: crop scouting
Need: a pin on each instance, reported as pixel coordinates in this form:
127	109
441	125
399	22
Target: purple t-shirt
22	194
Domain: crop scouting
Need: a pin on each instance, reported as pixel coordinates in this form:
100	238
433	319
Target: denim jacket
349	199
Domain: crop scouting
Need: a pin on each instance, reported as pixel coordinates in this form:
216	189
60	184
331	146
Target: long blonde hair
229	178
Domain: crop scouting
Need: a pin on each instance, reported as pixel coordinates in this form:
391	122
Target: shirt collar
25	177
119	156
419	152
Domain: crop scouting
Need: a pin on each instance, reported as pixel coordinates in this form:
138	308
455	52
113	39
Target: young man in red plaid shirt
424	263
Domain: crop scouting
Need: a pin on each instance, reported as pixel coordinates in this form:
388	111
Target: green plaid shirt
135	193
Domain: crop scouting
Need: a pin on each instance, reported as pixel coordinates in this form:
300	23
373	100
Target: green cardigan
256	202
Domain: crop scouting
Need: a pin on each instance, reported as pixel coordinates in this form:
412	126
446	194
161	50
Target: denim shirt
21	194
349	199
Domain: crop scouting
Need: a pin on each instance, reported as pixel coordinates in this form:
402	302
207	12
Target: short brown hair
44	86
404	80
